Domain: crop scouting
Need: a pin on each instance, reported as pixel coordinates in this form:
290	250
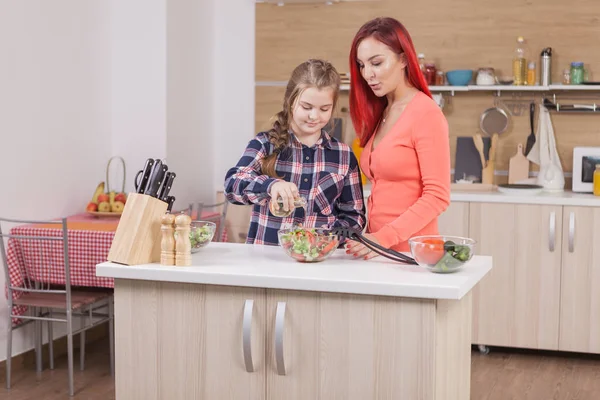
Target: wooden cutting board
518	167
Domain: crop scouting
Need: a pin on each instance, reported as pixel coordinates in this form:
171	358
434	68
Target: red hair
365	107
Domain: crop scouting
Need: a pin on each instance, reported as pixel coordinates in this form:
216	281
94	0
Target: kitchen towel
544	154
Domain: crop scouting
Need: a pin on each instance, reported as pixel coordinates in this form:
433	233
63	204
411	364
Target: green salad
454	256
200	235
306	244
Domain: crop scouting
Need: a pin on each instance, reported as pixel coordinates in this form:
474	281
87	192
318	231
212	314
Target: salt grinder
167	244
183	246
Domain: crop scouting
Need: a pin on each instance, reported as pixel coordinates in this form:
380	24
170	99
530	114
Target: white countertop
566	198
235	264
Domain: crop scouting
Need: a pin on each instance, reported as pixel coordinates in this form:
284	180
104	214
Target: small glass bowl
308	244
439	253
201	233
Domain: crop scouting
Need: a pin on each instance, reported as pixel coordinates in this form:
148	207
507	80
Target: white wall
55	134
139	71
82	81
190	104
234	78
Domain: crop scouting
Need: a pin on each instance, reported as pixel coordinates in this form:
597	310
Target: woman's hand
287	191
359	250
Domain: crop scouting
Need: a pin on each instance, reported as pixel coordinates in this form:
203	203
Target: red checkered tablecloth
89	239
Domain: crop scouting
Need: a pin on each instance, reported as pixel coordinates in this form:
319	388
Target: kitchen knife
156	179
140	186
170	201
166	187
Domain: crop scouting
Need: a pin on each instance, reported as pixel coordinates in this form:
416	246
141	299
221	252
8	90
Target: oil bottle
520	63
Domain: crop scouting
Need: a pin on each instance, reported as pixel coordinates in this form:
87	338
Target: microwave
584	165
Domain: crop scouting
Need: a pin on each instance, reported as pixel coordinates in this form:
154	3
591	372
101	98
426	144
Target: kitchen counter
247	322
566	198
235	264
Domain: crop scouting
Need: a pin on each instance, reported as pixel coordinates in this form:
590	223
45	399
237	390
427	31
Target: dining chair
47	293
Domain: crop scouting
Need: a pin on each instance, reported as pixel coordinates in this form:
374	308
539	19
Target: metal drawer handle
279	328
552	233
571	232
247	335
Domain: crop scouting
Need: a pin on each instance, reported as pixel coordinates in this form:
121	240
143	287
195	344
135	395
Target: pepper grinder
167	244
183	246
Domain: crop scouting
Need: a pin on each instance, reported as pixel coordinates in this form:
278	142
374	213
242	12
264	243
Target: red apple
92	206
102	198
122	197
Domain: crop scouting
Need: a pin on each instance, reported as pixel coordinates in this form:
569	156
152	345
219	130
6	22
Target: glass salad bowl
308	244
440	253
201	233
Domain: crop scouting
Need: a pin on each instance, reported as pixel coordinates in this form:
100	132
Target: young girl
297	158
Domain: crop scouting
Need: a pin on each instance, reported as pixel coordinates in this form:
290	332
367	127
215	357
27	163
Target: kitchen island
247	322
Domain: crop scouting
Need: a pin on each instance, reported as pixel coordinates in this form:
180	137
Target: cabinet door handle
571	232
279	328
247	335
552	233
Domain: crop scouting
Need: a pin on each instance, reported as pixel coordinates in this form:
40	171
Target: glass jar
566	80
486	76
440	79
577	73
596	180
430	74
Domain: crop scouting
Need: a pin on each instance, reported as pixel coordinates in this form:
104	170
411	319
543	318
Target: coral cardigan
409	172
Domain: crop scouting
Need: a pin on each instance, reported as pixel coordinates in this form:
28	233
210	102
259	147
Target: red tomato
430	251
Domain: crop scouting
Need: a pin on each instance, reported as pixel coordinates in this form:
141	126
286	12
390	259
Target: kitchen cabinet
185	341
455	220
544	289
338	346
340	330
580	278
517	304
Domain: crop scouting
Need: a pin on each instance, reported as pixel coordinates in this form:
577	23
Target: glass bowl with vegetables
440	253
201	233
308	244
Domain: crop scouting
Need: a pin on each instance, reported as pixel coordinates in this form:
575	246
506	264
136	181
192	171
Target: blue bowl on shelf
459	77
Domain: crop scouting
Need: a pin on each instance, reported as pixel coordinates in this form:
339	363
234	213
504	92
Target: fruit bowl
440	253
308	244
201	233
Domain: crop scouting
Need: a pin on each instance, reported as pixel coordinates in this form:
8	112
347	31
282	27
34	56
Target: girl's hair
312	73
365	107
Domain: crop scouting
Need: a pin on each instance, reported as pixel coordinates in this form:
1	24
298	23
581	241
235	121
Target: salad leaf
454	256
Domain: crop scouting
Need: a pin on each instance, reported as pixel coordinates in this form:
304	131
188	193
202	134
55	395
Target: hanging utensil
531	137
478	141
493	120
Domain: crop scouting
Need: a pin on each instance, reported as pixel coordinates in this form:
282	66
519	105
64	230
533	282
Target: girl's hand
359	250
287	191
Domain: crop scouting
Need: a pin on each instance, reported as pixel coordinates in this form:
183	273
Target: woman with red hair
404	133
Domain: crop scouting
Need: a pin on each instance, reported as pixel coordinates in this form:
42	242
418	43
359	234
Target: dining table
89	238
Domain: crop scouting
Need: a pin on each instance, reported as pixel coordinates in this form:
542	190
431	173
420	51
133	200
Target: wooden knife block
137	239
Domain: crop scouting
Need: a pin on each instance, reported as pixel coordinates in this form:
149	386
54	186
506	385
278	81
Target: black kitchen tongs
353	234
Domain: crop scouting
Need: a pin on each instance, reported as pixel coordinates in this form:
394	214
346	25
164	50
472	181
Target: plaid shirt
327	175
